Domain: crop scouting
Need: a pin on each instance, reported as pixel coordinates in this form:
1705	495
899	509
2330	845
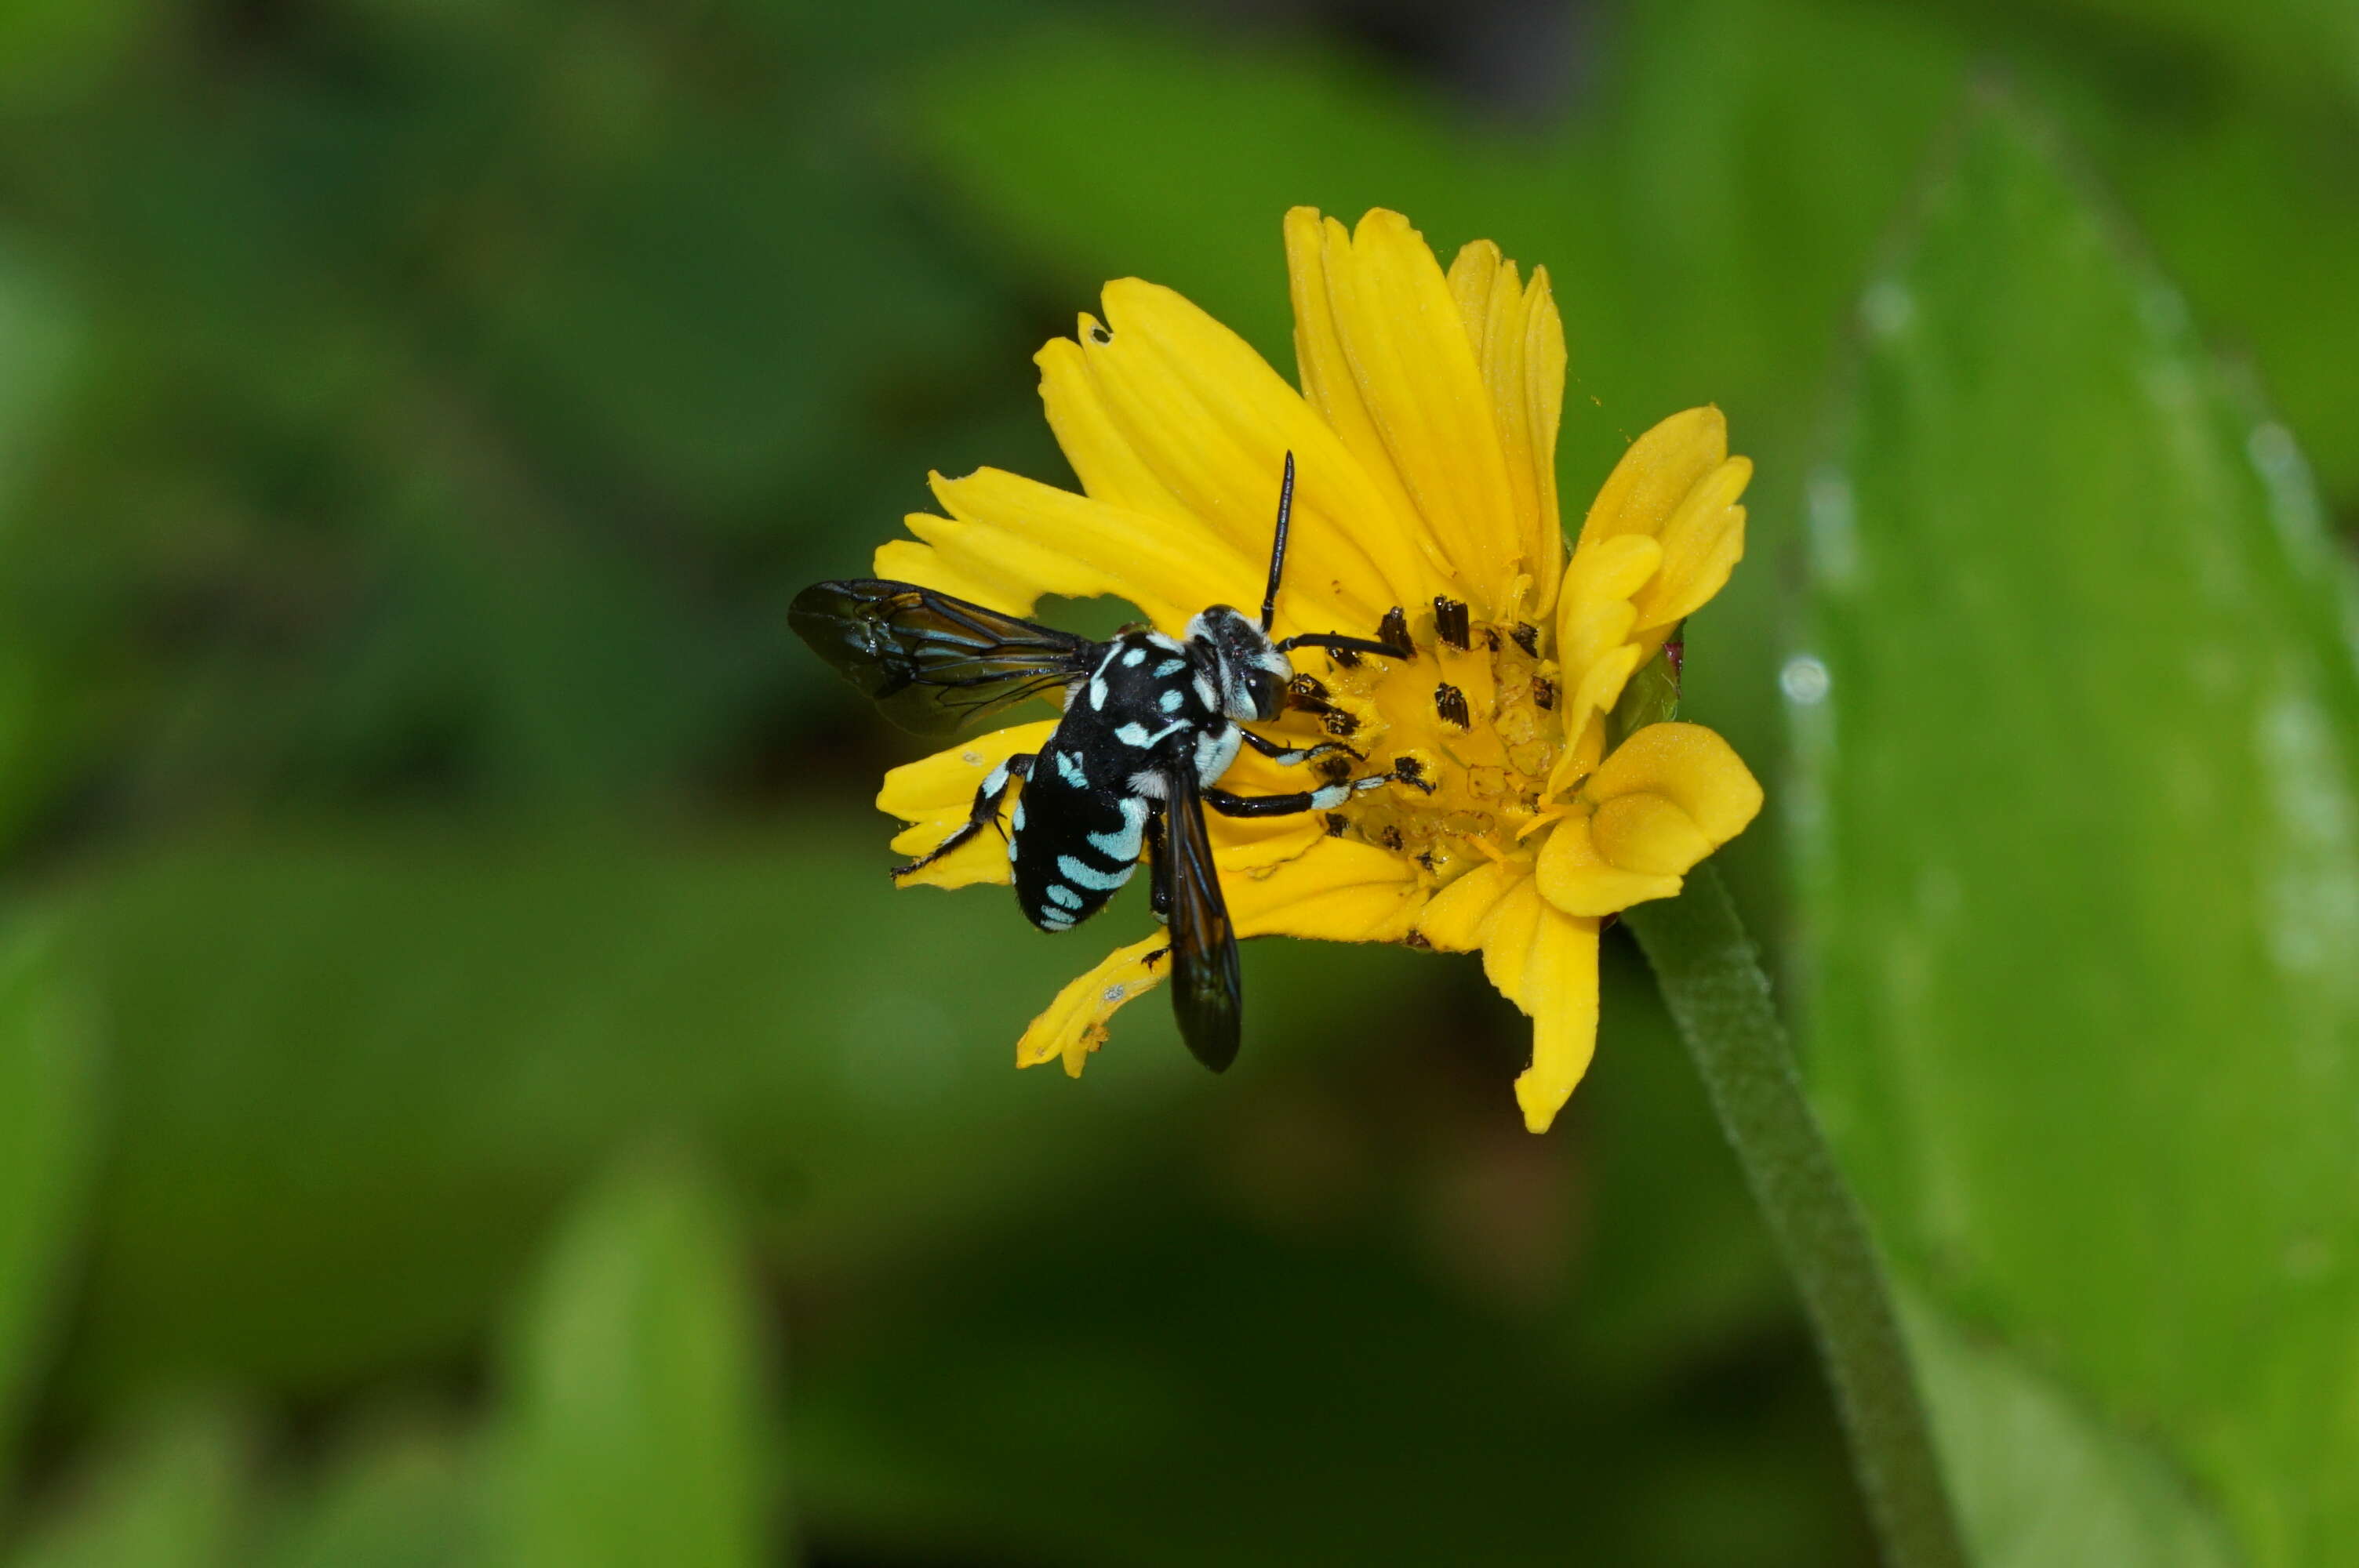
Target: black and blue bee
1152	722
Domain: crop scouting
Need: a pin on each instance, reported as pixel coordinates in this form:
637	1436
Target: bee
1151	724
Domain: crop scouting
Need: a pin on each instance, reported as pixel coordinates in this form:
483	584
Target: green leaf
169	1494
1127	151
358	1072
2041	1480
48	674
1211	1360
397	1493
635	1430
49	1102
2080	852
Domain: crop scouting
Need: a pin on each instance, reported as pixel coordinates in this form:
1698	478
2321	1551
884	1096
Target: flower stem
1718	996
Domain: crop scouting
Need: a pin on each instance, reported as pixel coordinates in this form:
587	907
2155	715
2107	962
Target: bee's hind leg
987	797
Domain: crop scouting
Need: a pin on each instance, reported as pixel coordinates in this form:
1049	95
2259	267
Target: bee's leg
1337	642
1290	759
1158	885
987	796
1327	798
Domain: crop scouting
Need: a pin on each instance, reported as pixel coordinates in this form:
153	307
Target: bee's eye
1268	694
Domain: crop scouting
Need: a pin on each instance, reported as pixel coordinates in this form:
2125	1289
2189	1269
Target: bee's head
1247	667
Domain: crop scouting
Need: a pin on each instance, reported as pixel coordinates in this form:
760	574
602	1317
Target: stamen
1334	825
1450	706
1527	637
1393	629
1544	693
1449	621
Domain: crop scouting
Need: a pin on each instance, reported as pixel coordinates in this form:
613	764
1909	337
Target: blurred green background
469	1095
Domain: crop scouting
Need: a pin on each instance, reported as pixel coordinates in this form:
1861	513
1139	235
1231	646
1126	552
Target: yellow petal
913	560
1562	980
1595	619
1543	399
1579	759
1518	340
1507	939
1454	920
1020	534
1075	1023
1473	273
1656	474
1648	833
1688	765
1546	963
1418	377
1165	393
1329	385
935	795
1702	541
1256	843
1337	891
1110	469
1602	683
1574	878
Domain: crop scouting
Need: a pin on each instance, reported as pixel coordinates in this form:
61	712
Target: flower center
1473	715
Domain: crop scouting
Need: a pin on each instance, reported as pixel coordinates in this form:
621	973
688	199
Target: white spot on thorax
1215	749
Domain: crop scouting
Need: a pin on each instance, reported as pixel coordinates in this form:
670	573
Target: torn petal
1075	1023
1560	982
1545	961
1198	411
1056	542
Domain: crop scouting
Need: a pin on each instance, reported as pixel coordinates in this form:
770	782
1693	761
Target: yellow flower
1425	439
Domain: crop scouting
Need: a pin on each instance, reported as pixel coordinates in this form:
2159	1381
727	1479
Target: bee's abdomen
1075	838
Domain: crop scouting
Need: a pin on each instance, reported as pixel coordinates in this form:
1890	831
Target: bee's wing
930	662
1207	989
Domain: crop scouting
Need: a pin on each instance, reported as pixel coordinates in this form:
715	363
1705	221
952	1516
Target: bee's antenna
1277	550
